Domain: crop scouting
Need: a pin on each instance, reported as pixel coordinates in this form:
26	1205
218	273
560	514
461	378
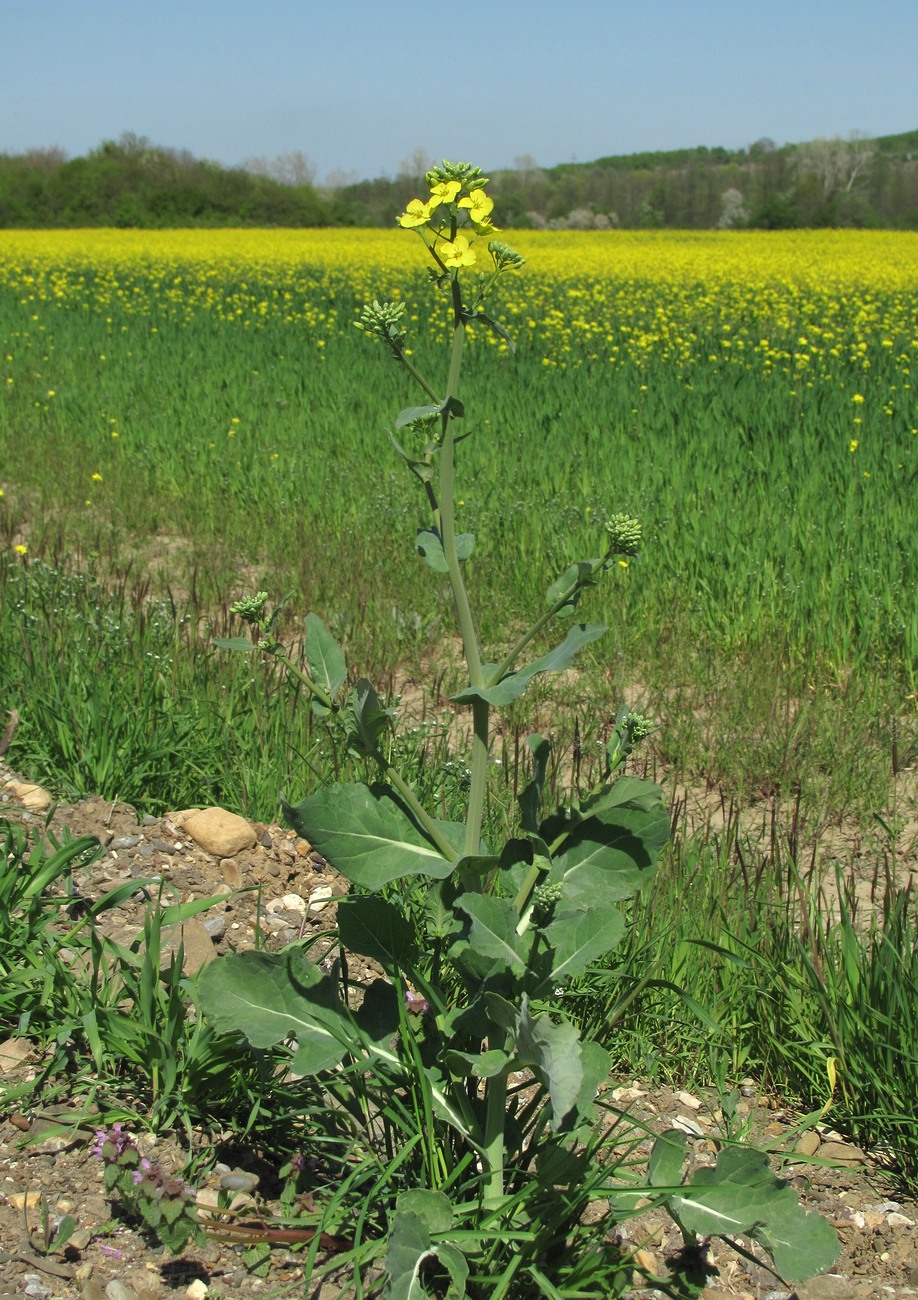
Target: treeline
133	183
837	182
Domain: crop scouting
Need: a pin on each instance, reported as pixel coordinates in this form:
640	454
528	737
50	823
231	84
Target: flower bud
624	535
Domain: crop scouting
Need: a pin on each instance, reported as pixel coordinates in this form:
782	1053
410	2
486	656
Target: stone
231	873
198	946
645	1261
35	1287
686	1125
117	1290
320	898
808	1143
215	927
14	1052
124	842
239	1180
216	831
197	1289
842	1153
24	1200
294	903
687	1099
28	795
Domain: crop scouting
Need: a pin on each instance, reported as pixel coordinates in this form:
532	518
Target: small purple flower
112	1144
417	1005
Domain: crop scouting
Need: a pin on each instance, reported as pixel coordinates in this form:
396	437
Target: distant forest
131	183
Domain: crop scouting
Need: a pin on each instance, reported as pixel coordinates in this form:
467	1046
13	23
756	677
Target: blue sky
358	85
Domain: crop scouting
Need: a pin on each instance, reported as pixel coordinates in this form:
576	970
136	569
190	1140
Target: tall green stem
480	711
492	1154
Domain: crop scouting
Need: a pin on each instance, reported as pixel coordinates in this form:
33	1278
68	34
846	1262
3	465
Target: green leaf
512	686
366	835
552	1050
430	546
178	913
493	930
634	790
578	938
531	798
376	929
367	719
667	1156
268	997
581	571
596	1064
433	1208
495	326
412	413
476	1065
325	658
741	1196
418	1214
610	859
235	643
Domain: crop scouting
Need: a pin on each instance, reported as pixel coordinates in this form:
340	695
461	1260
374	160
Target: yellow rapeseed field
798	299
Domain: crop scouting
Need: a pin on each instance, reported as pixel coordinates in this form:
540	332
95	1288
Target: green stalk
492	1152
312	687
542	621
420	813
480	711
417	376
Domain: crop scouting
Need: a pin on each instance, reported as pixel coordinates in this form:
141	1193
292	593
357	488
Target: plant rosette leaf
577	938
411	414
377	929
530	799
493	930
512	686
623	791
272	997
571	1071
418	1215
611	855
741	1196
367	835
582	573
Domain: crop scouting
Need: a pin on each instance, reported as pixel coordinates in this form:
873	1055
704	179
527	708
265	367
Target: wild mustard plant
476	940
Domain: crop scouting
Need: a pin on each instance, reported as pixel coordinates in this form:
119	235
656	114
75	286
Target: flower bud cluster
384	319
623	533
251	608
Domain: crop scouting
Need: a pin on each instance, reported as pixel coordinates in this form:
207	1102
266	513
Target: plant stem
518	648
311	686
480	710
417	376
492	1153
418	810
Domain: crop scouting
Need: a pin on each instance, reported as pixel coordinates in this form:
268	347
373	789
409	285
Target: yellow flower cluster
442	215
